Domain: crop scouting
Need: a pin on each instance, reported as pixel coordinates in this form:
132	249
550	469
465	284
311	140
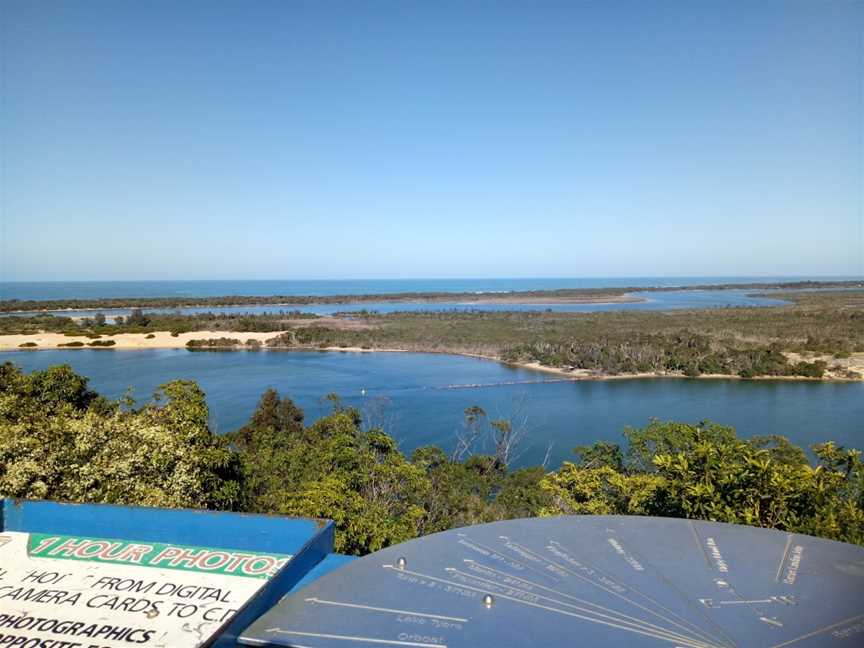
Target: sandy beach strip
159	339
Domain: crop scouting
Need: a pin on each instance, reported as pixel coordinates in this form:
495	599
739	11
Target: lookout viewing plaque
587	581
62	591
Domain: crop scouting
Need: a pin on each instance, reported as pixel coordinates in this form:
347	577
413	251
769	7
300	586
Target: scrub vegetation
567	294
60	440
821	329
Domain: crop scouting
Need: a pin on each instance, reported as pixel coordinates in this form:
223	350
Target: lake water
673	300
107	289
419	398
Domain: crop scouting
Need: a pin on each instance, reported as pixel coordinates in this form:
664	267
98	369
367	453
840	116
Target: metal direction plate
585	580
74	592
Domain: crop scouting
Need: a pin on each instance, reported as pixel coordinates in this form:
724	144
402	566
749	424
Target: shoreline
457	300
164	340
598	295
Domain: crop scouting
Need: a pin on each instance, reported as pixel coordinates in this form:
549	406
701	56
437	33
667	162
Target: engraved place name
542	563
521	552
793	564
403	638
438	624
420	638
635	564
501	578
435	584
492	555
587	573
854	630
494	588
716	556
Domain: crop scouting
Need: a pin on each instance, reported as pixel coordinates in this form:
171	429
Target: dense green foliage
706	472
222	342
684	352
59	440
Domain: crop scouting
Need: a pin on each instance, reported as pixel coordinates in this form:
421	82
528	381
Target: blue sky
288	139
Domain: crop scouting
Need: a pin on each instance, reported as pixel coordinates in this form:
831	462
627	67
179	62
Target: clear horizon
446	140
453	278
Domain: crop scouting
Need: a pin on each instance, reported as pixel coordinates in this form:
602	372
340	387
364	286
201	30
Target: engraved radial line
783	557
698	540
318	635
550	609
750	604
498	553
380	609
605	589
554	591
615	616
819	631
583	601
688	601
685	623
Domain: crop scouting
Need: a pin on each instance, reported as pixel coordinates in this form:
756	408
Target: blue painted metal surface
180	526
634	582
329	564
308	541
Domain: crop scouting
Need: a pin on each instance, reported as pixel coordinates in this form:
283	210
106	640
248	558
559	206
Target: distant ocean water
42	290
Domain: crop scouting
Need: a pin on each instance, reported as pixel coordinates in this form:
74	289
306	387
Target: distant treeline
12	305
144	322
740	341
59	440
687	353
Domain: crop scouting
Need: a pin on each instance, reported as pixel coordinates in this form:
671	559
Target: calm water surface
673	300
419	398
218	288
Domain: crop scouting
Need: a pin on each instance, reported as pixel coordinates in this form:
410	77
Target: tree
707	472
274	426
58	440
99	319
461	493
335	469
137	318
272	419
468	436
505	434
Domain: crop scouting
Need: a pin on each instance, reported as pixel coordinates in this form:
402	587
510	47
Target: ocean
41	290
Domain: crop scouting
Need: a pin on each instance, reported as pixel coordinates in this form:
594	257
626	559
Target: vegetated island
819	335
562	296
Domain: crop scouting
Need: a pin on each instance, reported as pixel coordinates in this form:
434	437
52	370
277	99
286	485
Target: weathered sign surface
584	580
59	591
